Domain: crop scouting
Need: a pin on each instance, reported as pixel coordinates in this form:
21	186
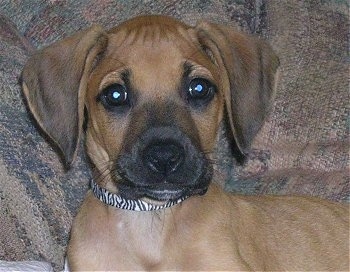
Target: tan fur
217	231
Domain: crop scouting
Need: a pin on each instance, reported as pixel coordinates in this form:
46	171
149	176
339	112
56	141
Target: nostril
163	158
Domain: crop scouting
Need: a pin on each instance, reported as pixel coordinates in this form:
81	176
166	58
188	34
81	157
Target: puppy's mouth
159	193
164	164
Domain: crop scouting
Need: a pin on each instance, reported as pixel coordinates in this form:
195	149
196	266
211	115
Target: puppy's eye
114	95
200	88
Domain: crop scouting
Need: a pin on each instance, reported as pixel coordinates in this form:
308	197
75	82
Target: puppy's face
154	102
155	91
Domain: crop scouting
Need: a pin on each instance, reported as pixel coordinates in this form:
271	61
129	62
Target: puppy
155	91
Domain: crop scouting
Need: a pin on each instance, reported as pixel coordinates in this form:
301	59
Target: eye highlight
114	95
200	91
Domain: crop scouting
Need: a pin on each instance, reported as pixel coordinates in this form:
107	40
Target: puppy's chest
144	239
139	240
159	243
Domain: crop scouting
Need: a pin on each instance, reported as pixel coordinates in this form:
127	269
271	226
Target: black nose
163	158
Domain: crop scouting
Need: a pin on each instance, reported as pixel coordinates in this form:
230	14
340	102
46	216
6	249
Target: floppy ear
54	82
248	67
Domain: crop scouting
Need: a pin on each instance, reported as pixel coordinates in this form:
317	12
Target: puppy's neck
147	233
154	238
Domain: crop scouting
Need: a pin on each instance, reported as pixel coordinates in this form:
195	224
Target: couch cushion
303	148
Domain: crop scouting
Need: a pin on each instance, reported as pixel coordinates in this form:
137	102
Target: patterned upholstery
302	149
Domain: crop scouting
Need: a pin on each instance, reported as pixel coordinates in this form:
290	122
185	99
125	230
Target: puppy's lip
163	192
163	195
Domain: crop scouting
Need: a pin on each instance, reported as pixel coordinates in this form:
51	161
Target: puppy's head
155	91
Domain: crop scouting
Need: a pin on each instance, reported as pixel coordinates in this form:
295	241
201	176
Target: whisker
101	173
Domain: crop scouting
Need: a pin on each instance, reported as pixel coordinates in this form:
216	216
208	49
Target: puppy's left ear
54	83
248	67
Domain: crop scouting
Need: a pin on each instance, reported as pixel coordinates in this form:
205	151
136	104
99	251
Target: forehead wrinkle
148	32
153	35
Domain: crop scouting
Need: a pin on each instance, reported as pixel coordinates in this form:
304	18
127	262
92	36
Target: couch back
302	149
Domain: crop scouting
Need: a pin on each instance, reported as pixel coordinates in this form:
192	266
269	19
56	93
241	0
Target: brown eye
200	92
114	95
200	88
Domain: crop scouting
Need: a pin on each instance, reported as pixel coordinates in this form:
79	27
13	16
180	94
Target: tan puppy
155	91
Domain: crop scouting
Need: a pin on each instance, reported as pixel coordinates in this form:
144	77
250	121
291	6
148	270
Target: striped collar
118	201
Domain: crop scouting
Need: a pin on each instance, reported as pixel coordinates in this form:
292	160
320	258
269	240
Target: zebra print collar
118	201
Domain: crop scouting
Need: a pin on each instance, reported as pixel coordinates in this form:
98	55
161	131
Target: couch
302	149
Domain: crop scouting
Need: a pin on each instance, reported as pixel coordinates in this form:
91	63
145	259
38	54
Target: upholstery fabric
302	149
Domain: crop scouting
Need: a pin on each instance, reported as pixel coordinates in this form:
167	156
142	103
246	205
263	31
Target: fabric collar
118	201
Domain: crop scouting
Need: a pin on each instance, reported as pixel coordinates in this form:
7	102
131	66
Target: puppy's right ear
248	69
54	84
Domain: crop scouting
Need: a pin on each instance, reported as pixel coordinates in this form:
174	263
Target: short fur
155	57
